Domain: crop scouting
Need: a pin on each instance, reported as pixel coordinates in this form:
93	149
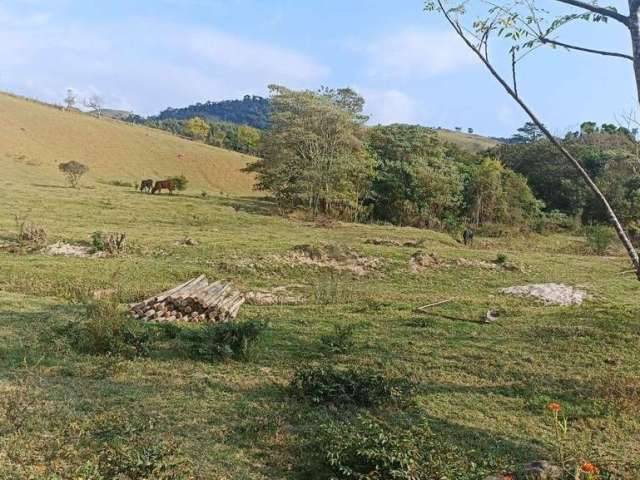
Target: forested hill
251	110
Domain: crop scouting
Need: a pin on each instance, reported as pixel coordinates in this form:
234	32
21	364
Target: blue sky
145	55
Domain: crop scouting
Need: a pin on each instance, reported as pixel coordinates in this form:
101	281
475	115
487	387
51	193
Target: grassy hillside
35	138
467	141
481	389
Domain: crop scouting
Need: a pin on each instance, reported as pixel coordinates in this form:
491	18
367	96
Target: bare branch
548	41
606	12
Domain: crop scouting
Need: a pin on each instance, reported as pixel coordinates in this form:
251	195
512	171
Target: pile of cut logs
194	301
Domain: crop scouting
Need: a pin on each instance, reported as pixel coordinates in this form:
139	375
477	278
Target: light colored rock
550	293
542	470
68	250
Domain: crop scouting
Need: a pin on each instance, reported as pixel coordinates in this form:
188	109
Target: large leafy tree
313	153
526	27
416	183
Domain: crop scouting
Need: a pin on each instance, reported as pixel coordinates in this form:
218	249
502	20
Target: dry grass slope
467	141
35	138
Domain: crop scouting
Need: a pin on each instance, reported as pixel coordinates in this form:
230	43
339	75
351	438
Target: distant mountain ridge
252	110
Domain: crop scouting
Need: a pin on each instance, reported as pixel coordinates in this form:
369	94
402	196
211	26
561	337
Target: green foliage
340	340
254	111
313	155
219	341
599	238
142	459
498	195
368	450
108	331
415	183
501	258
371	449
180	182
351	386
197	128
73	171
98	241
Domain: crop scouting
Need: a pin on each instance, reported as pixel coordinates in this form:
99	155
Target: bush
113	243
73	171
599	238
501	259
140	459
29	232
368	450
109	332
361	387
180	182
553	222
341	340
223	340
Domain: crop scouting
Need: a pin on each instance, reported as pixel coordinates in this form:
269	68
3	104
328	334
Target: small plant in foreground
223	340
599	238
109	332
370	451
73	171
113	243
340	340
140	459
361	387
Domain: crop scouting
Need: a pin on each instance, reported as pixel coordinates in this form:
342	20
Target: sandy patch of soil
550	293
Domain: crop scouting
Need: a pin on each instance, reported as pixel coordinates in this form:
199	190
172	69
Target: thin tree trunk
634	29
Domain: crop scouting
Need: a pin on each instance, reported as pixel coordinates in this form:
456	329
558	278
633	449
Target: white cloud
143	66
417	52
389	106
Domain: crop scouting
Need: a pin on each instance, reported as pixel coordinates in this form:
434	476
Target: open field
481	388
35	138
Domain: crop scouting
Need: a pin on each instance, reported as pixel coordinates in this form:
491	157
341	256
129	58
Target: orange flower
554	407
588	467
508	476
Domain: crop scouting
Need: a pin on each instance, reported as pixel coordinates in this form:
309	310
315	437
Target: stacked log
196	300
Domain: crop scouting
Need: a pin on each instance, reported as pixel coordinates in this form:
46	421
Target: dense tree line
317	154
252	110
609	154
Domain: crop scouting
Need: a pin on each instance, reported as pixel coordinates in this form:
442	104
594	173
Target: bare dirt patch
336	257
69	250
550	293
274	296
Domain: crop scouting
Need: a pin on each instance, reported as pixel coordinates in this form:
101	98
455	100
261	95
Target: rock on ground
550	293
69	250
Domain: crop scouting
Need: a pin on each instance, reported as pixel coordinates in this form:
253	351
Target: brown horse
146	185
163	184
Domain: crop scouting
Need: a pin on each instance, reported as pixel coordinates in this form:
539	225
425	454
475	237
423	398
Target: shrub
142	458
29	232
109	332
599	238
553	222
180	182
341	340
73	171
368	450
223	340
113	243
361	387
501	259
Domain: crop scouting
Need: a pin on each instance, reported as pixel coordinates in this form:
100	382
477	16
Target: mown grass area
480	389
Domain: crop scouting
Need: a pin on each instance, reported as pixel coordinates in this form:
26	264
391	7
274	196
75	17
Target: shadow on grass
254	205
